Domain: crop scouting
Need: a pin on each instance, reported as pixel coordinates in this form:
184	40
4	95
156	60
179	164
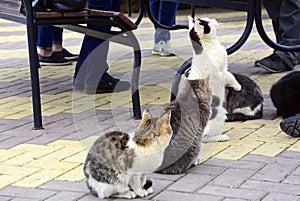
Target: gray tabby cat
117	162
190	114
245	104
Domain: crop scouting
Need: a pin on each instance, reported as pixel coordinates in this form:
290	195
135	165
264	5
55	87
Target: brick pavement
258	163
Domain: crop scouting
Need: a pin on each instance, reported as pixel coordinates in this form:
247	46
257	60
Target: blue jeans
285	16
48	35
164	12
92	64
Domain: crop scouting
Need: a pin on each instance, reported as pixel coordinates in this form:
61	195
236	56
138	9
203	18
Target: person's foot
56	59
291	125
163	48
69	55
107	84
273	64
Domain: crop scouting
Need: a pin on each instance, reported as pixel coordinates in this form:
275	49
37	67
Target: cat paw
127	195
142	192
237	87
197	162
217	138
149	190
223	138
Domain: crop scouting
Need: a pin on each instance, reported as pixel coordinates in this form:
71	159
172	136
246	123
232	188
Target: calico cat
210	60
245	104
190	114
117	162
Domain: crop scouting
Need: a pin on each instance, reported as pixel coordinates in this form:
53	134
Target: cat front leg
136	185
230	81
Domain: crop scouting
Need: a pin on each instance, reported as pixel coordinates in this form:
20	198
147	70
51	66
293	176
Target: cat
117	163
245	104
285	94
190	114
210	60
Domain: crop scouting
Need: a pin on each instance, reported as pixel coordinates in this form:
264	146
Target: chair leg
34	74
135	75
129	8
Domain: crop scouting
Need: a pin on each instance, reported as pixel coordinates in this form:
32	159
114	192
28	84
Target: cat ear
146	119
164	125
191	22
165	120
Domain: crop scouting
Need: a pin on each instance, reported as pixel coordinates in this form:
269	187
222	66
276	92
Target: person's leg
44	40
289	26
57	39
164	12
166	16
87	68
57	44
285	17
92	64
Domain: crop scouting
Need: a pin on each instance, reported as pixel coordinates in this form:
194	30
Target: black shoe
108	84
291	125
56	59
273	63
69	55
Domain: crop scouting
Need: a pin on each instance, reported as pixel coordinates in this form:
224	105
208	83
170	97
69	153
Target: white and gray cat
117	163
210	60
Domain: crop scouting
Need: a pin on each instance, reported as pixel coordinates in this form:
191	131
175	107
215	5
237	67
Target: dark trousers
92	64
285	15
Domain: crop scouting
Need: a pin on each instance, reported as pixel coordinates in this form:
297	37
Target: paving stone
91	197
190	183
292	179
24	199
19	192
250	194
232	177
179	196
207	169
297	171
38	178
234	164
273	160
4	198
268	186
280	196
66	196
65	186
270	149
289	154
274	172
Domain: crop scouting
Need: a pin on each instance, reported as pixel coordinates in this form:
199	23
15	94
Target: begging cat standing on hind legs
210	60
117	162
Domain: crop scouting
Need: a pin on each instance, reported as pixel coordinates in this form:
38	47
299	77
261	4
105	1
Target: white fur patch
248	111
